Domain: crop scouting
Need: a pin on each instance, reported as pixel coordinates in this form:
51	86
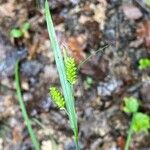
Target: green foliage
67	87
131	105
144	63
148	2
16	33
71	70
20	32
141	122
26	26
23	108
57	97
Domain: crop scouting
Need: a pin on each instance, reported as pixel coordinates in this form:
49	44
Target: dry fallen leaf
7	9
121	142
77	46
143	33
17	134
132	12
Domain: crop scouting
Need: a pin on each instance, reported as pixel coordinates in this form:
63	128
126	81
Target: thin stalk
23	108
91	55
66	86
130	132
54	145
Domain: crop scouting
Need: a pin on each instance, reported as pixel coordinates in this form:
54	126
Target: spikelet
57	97
71	69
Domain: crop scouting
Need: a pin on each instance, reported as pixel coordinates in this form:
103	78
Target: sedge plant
23	109
67	73
140	121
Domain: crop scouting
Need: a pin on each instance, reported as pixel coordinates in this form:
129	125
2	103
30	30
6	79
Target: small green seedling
88	82
21	31
140	121
144	63
131	105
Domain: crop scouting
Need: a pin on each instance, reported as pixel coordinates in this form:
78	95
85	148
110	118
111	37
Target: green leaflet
144	63
141	122
57	97
71	70
131	105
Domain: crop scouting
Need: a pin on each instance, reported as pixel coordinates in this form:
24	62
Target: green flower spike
71	70
57	97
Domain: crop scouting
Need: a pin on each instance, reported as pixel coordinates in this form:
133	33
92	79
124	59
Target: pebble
8	57
25	85
7	65
95	145
50	72
7	108
47	145
107	88
145	94
110	34
1	144
31	68
69	145
88	112
46	103
27	96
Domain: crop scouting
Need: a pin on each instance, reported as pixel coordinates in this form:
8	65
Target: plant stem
54	145
91	55
77	143
66	86
23	108
130	132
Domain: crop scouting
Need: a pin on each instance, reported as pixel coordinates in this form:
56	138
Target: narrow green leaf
23	108
66	86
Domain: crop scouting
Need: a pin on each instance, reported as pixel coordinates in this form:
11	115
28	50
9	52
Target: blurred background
84	26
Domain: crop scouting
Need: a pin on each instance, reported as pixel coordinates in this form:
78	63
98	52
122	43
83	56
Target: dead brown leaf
77	46
132	12
143	32
17	134
121	142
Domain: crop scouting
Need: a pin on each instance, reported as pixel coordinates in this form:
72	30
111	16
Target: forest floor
84	26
